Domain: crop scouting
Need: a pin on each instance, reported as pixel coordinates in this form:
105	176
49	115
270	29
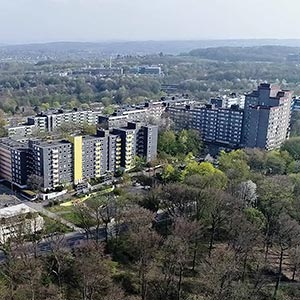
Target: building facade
267	117
216	125
19	220
13	162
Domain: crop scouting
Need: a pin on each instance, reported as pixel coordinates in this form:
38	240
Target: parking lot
7	197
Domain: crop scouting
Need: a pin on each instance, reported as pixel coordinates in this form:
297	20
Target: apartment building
114	152
13	162
128	146
146	140
216	125
137	140
52	162
21	131
267	117
50	122
148	112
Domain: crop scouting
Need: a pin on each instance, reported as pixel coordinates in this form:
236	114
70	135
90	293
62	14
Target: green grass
58	208
52	226
67	213
73	217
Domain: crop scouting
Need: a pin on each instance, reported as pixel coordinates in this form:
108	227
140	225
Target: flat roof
12	143
15	210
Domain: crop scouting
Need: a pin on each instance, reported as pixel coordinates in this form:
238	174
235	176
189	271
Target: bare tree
294	255
144	243
287	236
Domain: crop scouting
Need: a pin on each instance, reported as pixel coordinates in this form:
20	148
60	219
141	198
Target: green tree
292	146
3	131
208	174
234	165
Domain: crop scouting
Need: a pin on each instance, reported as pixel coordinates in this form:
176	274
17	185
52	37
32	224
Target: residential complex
263	122
148	112
62	162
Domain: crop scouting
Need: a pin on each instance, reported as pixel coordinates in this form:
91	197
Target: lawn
52	226
69	214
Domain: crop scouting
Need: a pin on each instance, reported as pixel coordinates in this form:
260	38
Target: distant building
51	121
148	112
21	131
155	71
19	220
267	117
99	71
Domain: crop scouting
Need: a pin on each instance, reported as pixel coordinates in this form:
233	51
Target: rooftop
15	210
12	143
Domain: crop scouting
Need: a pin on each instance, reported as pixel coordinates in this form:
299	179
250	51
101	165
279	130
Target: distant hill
67	50
257	53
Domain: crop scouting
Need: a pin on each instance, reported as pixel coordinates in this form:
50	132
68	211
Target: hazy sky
98	20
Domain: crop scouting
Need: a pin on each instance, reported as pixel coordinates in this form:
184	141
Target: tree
294	256
93	275
276	162
234	165
292	146
144	243
275	196
97	211
219	273
287	236
209	176
167	142
219	204
247	193
35	183
244	235
169	174
3	131
179	200
177	254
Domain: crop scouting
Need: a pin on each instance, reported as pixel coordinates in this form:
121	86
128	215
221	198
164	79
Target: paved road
67	241
40	208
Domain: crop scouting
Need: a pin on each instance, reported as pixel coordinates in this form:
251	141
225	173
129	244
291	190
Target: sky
26	21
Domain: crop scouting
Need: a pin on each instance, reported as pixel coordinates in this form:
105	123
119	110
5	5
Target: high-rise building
13	162
216	125
128	146
267	117
52	162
